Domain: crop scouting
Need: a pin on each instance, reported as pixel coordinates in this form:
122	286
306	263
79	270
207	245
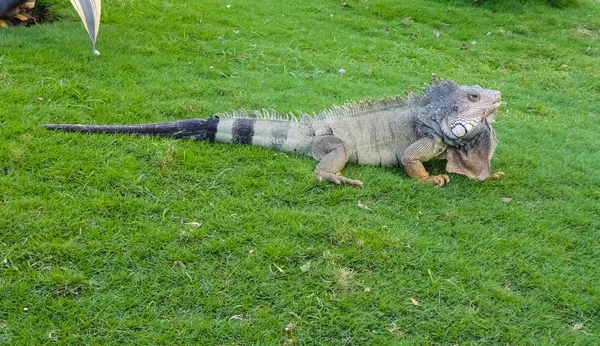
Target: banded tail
275	133
191	128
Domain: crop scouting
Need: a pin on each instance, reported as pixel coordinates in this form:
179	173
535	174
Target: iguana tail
191	128
275	133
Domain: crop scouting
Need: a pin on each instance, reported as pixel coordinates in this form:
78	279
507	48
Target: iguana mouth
489	111
496	104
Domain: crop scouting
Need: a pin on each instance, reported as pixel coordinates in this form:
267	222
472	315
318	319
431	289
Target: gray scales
446	121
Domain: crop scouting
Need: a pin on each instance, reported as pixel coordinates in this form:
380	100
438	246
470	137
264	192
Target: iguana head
472	109
464	115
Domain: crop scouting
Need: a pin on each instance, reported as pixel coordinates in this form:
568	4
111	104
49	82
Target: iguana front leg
332	154
420	151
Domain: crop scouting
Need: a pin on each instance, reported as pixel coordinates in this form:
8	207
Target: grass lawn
133	241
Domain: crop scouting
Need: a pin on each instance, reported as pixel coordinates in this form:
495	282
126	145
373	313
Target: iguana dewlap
446	121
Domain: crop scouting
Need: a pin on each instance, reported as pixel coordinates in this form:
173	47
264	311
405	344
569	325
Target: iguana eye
474	97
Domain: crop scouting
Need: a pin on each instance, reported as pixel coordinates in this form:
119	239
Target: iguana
445	121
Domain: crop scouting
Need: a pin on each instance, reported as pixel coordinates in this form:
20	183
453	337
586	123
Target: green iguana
446	121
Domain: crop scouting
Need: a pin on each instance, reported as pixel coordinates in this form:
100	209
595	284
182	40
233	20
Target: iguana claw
437	180
496	176
337	179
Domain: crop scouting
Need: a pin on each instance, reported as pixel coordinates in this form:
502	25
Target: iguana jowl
446	121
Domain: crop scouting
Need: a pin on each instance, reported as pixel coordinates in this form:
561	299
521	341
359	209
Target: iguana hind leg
332	154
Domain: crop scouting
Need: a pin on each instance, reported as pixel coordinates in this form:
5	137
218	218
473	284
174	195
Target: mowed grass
131	240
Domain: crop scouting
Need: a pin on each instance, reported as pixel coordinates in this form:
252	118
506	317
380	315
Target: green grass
95	236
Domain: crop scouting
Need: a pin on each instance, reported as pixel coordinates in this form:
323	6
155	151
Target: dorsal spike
350	108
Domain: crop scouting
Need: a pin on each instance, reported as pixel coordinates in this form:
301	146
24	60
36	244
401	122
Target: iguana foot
437	180
337	178
496	176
